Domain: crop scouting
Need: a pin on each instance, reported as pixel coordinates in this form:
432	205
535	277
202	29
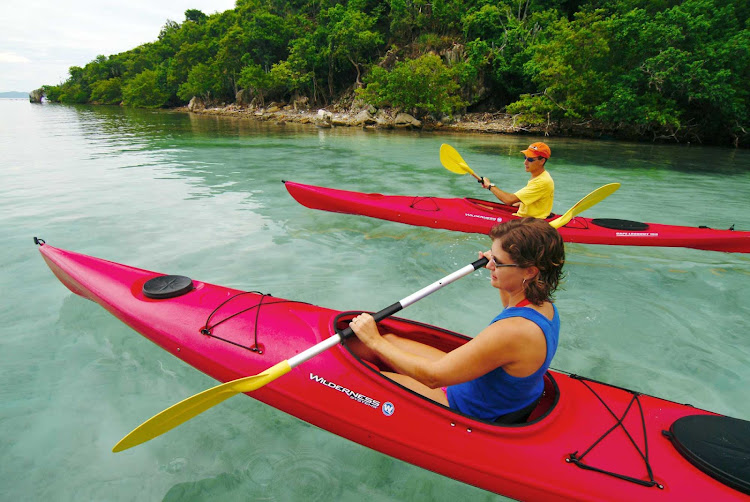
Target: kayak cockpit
497	207
446	341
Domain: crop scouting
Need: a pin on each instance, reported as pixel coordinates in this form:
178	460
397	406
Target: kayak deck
478	216
229	334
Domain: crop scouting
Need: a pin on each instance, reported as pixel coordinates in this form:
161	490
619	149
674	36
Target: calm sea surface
202	196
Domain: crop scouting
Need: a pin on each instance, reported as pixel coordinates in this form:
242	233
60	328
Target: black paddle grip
481	262
378	316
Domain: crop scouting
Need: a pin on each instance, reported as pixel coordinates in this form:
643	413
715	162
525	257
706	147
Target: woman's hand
366	329
485	182
487	254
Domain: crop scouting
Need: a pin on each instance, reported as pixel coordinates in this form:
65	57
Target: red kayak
478	216
586	440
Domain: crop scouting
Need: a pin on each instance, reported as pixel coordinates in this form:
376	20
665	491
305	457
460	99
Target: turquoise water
202	196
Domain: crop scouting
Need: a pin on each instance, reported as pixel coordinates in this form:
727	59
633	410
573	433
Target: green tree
205	81
266	38
422	85
569	70
682	72
189	55
107	92
257	81
350	38
145	90
307	62
76	89
195	16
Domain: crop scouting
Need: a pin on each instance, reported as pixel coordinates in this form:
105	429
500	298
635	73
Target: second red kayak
478	216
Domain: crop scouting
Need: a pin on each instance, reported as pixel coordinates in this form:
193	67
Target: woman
498	375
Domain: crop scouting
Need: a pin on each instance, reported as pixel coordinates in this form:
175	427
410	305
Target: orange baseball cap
537	150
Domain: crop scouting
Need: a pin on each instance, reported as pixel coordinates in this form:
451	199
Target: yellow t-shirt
537	196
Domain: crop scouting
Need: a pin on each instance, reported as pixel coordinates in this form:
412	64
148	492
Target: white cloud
9	57
50	36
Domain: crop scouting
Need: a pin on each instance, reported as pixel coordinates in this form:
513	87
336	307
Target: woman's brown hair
534	242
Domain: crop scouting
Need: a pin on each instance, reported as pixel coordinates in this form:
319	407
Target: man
535	199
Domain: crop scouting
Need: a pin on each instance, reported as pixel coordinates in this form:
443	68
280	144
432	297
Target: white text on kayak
354	395
491	218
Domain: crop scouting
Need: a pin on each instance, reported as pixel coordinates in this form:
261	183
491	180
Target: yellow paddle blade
197	404
590	200
453	161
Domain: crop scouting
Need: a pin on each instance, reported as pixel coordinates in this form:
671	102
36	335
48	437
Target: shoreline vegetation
646	70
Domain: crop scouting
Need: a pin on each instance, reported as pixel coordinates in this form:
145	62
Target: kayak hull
229	334
478	216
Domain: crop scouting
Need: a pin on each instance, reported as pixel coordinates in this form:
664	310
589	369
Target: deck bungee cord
208	328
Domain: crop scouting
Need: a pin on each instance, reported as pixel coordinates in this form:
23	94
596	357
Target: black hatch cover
616	224
167	286
717	445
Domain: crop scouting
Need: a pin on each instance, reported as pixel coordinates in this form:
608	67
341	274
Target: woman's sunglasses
498	264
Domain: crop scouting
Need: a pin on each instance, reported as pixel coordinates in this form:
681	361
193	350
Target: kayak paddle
192	406
452	161
591	199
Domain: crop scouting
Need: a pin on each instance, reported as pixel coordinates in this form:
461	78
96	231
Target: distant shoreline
14	95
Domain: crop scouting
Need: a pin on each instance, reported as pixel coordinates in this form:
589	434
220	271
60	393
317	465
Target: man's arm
505	197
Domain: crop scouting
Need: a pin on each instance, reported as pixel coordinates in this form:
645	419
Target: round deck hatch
167	286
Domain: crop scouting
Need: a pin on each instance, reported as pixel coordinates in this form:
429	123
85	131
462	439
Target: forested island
659	70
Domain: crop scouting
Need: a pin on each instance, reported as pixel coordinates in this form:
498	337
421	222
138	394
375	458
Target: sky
41	39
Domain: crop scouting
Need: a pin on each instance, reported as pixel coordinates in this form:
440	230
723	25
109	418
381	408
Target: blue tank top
498	393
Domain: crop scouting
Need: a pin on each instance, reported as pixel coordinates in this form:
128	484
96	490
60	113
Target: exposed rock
404	120
363	118
196	104
323	118
36	96
453	55
340	120
383	119
389	60
300	102
244	97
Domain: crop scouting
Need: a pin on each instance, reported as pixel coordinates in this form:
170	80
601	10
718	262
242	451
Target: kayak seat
547	400
518	416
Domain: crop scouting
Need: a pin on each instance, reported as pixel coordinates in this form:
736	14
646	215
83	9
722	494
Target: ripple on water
269	474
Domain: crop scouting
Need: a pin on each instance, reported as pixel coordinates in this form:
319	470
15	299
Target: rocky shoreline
369	118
